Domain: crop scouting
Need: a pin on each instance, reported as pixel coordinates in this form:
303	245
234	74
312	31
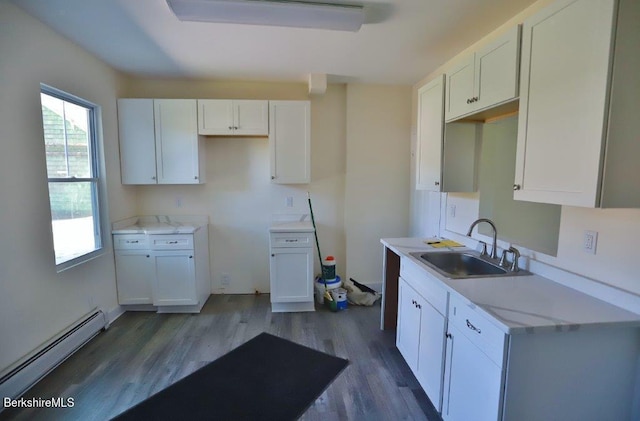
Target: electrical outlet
590	241
289	201
225	279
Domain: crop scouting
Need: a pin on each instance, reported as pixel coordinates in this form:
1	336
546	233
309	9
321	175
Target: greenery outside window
71	145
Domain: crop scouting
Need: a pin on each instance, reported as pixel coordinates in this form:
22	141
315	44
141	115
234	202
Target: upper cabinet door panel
430	136
497	68
177	141
215	117
460	89
563	102
251	117
290	141
137	141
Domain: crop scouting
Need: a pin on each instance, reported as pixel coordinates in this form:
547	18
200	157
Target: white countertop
522	304
291	223
159	224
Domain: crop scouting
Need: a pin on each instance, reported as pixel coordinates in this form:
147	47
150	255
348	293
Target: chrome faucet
494	250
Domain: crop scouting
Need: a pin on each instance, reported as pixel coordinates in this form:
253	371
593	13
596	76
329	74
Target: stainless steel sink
464	264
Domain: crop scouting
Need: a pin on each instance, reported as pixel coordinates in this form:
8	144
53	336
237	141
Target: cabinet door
251	117
137	141
430	135
134	276
460	89
291	274
431	352
473	382
215	117
564	74
175	281
496	70
290	141
408	327
177	152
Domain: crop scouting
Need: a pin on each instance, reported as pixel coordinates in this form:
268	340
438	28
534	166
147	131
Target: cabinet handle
448	335
516	187
195	177
273	255
190	257
437	183
153	178
148	255
235	128
230	127
469	101
273	177
418	306
133	241
172	242
472	327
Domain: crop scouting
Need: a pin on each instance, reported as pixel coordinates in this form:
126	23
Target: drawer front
171	242
484	334
426	285
130	242
291	239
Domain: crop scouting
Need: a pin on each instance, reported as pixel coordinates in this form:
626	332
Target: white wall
378	162
238	195
35	301
618	229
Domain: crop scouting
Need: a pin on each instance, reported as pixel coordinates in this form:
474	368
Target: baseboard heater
26	374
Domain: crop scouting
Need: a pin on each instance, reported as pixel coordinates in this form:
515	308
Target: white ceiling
401	41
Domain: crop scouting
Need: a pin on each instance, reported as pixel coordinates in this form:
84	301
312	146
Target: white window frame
96	179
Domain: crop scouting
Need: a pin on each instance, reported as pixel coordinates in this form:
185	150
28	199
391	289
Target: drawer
130	242
484	334
291	239
426	285
171	242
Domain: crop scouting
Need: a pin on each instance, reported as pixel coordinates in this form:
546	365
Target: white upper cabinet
137	141
290	141
578	125
484	79
178	157
430	135
159	142
233	117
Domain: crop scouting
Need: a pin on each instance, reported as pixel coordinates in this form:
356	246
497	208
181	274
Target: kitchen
238	195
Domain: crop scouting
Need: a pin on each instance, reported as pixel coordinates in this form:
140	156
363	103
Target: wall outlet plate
590	241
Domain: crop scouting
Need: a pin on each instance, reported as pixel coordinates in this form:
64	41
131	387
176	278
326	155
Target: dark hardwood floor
142	353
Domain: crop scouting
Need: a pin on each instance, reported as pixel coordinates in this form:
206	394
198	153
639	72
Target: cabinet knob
195	177
448	335
235	127
148	255
153	178
469	101
190	257
273	177
230	127
273	255
437	183
516	187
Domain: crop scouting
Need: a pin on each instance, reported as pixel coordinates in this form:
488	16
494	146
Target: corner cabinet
228	117
159	142
290	141
446	155
484	79
577	133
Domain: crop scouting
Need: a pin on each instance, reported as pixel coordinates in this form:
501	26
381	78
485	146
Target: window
71	146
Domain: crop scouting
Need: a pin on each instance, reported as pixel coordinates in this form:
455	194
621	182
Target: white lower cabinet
421	328
175	280
291	271
474	367
420	339
168	271
135	273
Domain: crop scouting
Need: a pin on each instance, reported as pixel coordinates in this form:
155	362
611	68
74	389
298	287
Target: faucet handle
516	256
484	248
503	258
